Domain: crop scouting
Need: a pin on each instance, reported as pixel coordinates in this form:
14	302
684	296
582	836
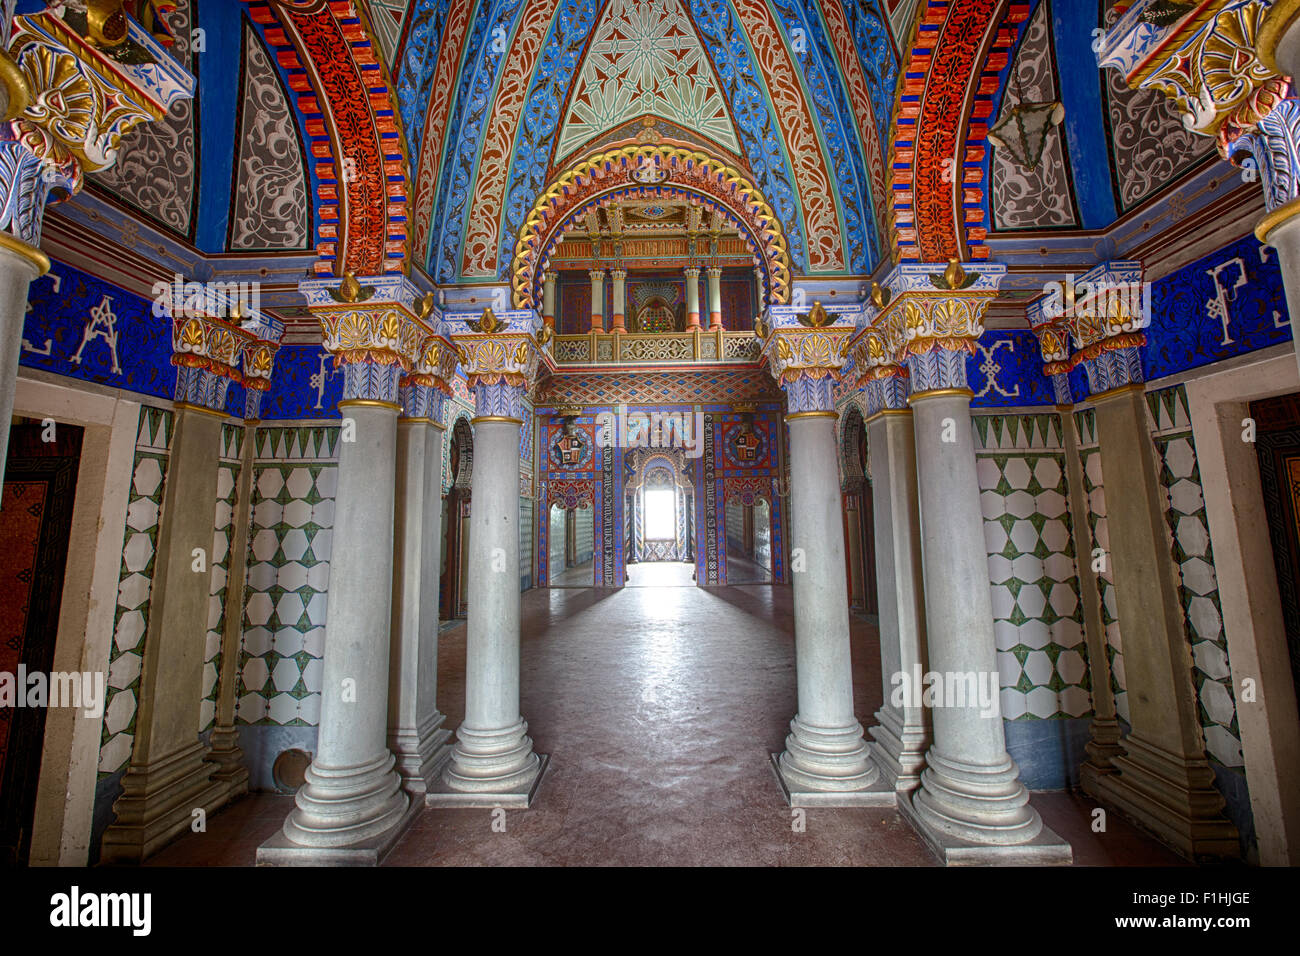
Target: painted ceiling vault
451	137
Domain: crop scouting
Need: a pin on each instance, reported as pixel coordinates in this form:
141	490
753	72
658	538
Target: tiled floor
659	707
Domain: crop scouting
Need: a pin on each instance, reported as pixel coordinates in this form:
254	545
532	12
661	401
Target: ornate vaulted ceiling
381	135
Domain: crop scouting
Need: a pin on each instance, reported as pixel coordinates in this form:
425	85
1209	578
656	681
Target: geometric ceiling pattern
645	58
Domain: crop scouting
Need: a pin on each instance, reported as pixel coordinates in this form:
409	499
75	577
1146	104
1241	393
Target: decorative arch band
644	172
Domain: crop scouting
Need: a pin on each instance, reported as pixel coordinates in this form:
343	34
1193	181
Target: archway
858	514
453	598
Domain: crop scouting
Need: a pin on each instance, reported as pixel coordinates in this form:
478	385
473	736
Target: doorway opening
572	543
658	510
40	483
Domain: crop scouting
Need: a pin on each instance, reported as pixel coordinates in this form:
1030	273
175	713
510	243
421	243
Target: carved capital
81	99
377	329
210	352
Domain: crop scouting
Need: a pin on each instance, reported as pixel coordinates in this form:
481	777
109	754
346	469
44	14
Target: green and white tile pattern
290	536
1033	581
1198	584
144	509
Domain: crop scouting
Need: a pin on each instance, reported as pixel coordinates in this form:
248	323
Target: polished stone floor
659	706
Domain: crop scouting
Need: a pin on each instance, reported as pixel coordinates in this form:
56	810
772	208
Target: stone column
493	763
43	61
971	806
826	760
20	264
168	777
902	734
352	808
415	732
597	300
620	299
715	298
1163	777
692	297
548	297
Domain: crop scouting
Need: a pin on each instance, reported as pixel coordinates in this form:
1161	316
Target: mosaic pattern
645	58
1198	585
1037	618
135	586
290	538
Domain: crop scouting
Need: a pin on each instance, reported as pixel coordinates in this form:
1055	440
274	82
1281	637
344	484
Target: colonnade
618	319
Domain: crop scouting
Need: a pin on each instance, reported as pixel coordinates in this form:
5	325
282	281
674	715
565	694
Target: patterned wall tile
134	590
290	536
223	528
1038	621
1198	584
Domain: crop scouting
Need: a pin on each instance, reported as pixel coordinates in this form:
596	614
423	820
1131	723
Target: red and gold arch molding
353	131
958	49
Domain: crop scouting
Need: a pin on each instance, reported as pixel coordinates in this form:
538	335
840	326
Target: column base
1102	748
1045	849
877	794
339	808
489	766
519	797
898	751
279	850
421	756
1171	798
975	803
828	766
158	803
224	751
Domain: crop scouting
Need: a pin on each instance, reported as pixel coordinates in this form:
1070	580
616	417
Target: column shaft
715	298
825	751
902	735
225	751
1105	730
620	300
970	790
692	298
415	732
352	793
16	273
597	300
493	755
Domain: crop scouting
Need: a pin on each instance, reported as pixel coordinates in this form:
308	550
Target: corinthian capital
78	77
501	355
377	328
929	318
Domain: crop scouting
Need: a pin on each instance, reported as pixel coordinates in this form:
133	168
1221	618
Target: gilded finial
489	322
880	296
817	318
425	306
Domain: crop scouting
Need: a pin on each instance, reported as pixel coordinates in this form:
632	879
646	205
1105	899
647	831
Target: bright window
660	514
